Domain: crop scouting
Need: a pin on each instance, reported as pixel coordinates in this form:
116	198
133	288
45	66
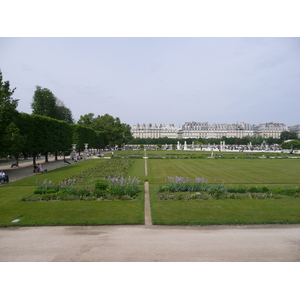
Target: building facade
154	131
204	130
295	128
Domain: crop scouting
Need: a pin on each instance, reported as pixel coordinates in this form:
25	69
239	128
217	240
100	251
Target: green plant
101	185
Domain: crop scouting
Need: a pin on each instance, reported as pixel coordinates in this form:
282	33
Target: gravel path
151	244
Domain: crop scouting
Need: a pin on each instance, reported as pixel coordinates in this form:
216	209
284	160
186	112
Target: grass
264	171
64	212
231	172
238	173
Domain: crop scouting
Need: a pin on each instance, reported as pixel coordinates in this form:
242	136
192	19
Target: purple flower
200	180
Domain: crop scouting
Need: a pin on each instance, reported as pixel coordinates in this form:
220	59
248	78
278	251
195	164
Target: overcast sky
157	61
161	80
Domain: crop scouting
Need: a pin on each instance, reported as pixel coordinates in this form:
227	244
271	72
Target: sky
159	79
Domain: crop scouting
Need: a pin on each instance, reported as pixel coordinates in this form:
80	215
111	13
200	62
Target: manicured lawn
64	212
229	171
228	211
239	172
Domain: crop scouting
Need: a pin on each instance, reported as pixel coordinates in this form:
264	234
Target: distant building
295	128
154	131
204	130
274	130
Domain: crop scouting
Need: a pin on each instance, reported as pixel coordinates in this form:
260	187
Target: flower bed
181	188
102	182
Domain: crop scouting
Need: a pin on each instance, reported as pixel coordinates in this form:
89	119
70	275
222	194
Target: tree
63	113
44	103
86	120
44	134
8	113
287	135
14	140
292	145
115	132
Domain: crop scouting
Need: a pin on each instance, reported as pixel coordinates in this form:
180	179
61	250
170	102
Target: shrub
101	185
83	193
254	189
99	193
68	190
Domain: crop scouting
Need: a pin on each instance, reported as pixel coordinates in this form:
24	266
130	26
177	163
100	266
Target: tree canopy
293	145
115	132
44	103
287	135
8	116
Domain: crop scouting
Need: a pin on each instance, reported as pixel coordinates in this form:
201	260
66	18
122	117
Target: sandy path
149	244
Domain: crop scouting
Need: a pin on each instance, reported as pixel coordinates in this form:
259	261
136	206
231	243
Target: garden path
147	210
148	218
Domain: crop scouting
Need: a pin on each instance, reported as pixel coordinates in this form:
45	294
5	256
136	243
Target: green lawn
64	212
231	172
239	172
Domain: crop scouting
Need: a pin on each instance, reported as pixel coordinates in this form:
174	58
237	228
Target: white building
295	128
204	130
154	131
267	130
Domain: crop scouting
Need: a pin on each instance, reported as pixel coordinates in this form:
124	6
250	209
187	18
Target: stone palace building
204	130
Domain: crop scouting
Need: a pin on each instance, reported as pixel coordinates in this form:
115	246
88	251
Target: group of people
3	177
78	158
38	168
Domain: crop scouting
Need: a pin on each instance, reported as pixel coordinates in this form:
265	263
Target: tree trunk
56	155
46	157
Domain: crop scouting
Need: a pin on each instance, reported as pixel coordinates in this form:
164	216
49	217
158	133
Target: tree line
51	127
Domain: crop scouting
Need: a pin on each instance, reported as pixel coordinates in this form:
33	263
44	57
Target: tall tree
43	102
8	113
14	141
63	113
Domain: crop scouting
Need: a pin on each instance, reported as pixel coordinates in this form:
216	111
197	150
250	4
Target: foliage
44	103
286	135
44	134
13	140
8	116
63	113
294	145
115	132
